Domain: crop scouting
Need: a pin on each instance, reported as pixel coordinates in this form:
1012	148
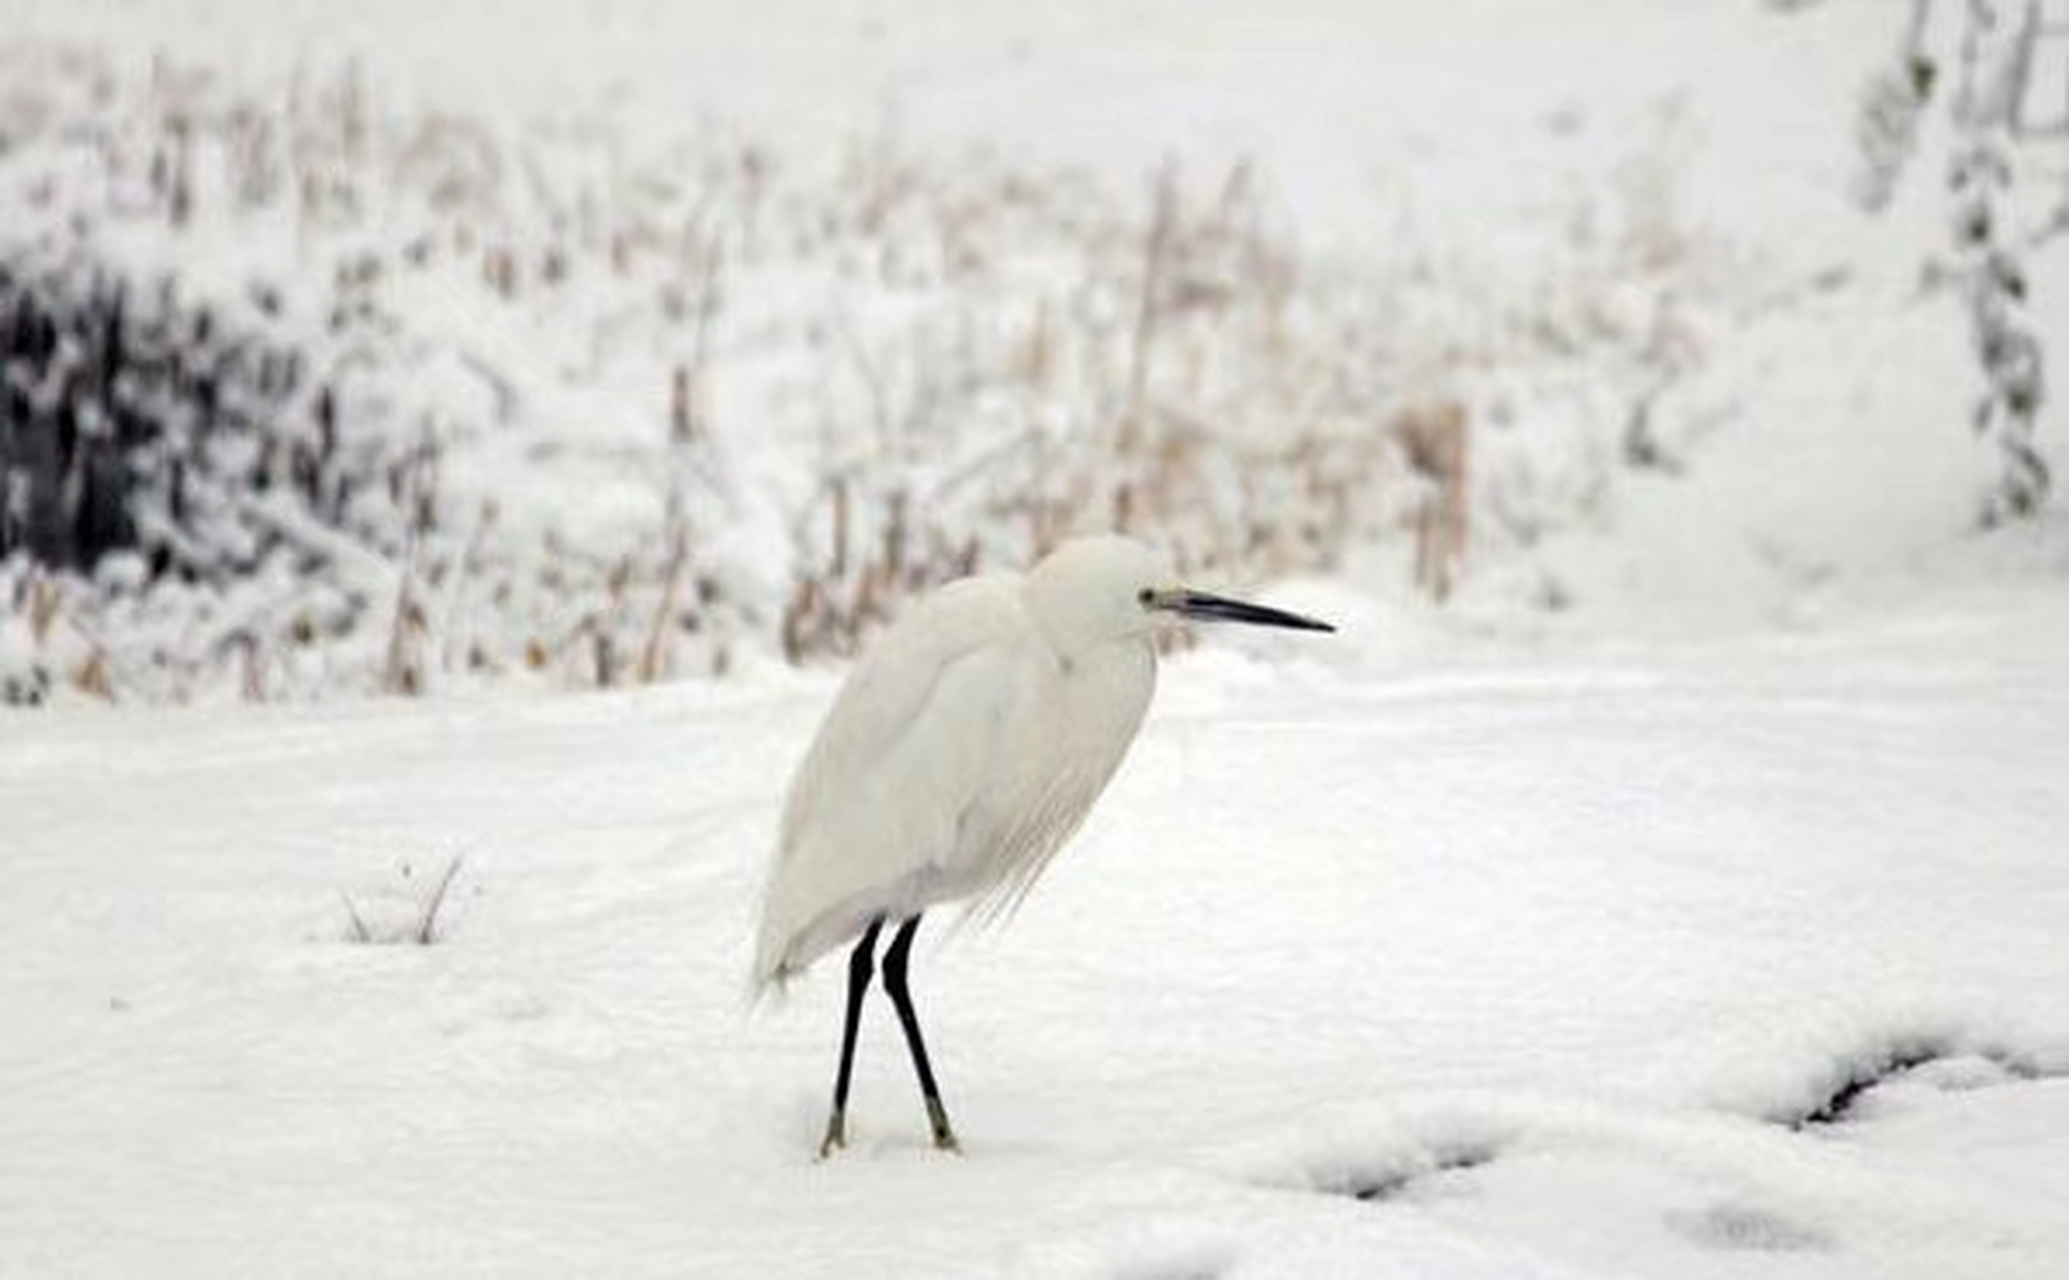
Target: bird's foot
944	1137
836	1135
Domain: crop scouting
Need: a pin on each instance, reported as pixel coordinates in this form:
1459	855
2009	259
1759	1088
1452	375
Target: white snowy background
1686	895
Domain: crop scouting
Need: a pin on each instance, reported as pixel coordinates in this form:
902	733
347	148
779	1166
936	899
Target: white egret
965	747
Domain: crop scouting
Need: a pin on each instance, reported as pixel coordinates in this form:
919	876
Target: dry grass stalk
424	928
1435	440
653	658
1156	251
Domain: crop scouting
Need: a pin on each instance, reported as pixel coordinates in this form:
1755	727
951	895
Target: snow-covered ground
1336	99
1503	968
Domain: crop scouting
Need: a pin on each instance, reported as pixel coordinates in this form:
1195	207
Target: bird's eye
1145	597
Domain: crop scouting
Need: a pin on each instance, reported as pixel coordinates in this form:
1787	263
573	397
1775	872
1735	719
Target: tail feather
771	972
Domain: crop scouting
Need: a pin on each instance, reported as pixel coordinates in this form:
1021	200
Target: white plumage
966	746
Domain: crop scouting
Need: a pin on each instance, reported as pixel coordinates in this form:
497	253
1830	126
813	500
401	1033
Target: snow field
1684	898
1494	969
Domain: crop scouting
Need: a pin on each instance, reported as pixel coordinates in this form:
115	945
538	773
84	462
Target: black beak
1211	608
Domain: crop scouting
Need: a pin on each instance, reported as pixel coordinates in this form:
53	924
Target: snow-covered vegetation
526	399
317	388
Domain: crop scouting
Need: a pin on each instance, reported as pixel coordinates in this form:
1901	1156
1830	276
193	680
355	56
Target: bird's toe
944	1136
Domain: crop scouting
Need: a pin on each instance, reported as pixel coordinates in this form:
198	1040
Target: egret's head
1108	587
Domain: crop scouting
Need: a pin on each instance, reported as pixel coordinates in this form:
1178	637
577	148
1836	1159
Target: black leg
894	983
860	965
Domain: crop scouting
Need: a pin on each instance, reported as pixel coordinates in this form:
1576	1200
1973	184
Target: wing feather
874	815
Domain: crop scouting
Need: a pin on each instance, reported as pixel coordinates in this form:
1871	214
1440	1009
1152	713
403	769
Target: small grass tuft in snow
416	915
